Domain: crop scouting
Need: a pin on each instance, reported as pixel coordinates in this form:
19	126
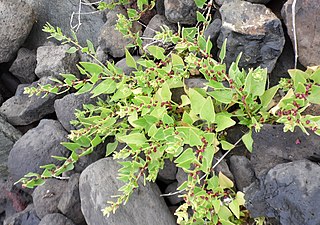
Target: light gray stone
58	13
36	147
181	11
46	197
24	66
99	182
16	20
69	203
66	106
252	29
53	60
156	24
8	136
306	20
56	219
23	110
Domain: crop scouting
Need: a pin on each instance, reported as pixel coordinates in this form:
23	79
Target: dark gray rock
53	60
56	219
242	171
26	217
181	11
58	14
8	136
289	192
24	66
20	14
46	197
123	65
284	63
98	182
9	81
36	147
181	176
283	148
155	24
110	40
168	173
220	2
253	30
213	31
69	203
306	17
160	7
24	110
222	166
173	199
66	106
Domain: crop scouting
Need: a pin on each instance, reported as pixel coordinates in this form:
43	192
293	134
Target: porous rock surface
24	66
23	110
144	207
16	20
253	30
36	147
289	192
58	13
56	219
307	29
46	197
8	136
53	60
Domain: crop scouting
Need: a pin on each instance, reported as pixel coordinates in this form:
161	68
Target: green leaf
108	86
91	47
185	100
60	158
200	17
207	111
314	96
247	140
91	68
176	60
226	145
224	121
185	158
234	207
164	93
224	181
133	138
267	96
207	159
72	50
197	100
200	3
111	147
255	83
130	60
96	141
224	96
85	88
156	52
71	146
223	50
194	138
316	76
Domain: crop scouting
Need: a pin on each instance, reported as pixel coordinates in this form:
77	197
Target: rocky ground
280	178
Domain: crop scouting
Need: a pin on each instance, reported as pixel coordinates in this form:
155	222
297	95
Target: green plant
139	110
